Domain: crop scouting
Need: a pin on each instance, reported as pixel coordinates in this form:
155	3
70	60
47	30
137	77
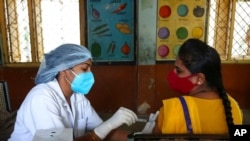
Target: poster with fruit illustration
110	30
178	20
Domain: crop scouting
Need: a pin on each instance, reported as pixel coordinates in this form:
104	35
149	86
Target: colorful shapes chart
178	21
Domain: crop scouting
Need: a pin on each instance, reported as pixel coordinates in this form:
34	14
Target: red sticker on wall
165	11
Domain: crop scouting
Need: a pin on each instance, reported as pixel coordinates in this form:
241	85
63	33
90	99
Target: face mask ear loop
73	72
67	80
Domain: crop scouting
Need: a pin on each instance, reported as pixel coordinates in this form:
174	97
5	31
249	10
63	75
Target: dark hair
198	57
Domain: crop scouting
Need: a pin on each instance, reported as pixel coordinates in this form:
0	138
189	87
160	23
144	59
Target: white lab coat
45	107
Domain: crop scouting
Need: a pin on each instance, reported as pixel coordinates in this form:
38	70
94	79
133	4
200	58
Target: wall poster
110	30
179	20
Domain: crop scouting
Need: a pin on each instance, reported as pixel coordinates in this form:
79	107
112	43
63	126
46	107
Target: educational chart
178	20
110	30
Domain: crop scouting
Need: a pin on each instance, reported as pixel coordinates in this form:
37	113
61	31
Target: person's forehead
179	65
86	63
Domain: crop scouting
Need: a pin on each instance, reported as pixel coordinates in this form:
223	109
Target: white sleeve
41	112
86	111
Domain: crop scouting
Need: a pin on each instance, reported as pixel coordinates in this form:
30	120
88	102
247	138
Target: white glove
122	116
148	128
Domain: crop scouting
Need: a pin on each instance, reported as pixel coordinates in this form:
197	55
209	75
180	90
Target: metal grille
36	27
228	21
241	34
18	31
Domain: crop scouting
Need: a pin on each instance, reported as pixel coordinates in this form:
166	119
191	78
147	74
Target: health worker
58	100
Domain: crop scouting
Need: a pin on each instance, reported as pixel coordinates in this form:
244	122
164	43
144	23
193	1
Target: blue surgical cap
61	58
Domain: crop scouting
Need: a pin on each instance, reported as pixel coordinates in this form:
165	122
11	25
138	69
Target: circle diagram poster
110	30
178	20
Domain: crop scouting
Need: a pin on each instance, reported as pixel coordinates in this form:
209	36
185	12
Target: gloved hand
148	128
122	116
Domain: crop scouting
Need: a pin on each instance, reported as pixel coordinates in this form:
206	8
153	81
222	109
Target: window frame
226	54
33	34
